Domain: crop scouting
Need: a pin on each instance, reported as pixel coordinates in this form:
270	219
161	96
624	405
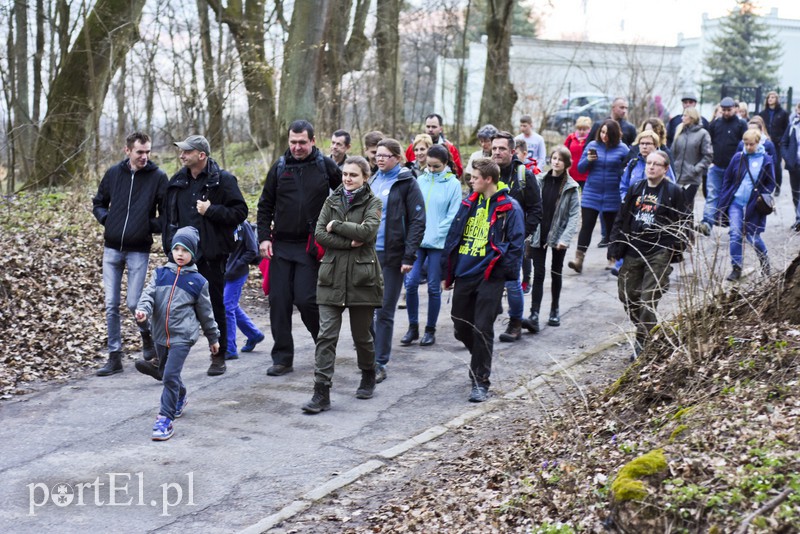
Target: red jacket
576	147
459	170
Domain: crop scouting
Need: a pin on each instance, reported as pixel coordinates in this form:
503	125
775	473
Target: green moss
680	413
628	486
677	432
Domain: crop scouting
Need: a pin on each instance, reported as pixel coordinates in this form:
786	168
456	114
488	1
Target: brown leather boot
513	332
577	264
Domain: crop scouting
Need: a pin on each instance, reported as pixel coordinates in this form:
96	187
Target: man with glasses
295	190
726	132
650	233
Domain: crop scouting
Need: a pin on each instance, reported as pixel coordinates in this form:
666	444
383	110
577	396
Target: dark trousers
689	192
794	181
475	304
526	268
292	282
539	255
330	318
171	364
640	285
214	272
589	219
778	166
383	325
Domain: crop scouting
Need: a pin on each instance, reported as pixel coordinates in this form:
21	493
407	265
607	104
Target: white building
544	72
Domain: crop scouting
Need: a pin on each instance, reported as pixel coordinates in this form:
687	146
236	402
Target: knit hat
189	238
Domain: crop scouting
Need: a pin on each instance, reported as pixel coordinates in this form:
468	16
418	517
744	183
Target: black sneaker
279	370
603	243
736	274
380	373
251	343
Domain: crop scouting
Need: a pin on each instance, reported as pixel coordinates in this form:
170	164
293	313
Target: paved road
244	450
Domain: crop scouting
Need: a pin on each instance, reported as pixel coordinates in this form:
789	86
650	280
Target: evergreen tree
744	53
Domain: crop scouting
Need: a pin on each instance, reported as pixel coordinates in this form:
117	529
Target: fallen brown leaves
727	420
52	318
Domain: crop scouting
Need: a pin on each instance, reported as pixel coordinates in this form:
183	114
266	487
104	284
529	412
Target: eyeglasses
655	164
384	156
646	143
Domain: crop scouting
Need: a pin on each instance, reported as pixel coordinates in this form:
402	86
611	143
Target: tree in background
745	52
499	95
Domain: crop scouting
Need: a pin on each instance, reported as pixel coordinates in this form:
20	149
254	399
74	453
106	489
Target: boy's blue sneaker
182	402
162	428
231	356
251	343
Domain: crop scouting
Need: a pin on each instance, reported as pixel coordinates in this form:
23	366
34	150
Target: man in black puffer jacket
203	195
128	204
294	192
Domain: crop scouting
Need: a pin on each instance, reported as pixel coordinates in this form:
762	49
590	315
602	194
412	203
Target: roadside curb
434	432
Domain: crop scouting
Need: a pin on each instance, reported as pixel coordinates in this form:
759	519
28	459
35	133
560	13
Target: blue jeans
434	257
713	187
739	229
171	369
384	316
516	300
235	315
114	263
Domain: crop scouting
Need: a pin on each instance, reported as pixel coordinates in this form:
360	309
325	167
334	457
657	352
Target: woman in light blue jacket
441	190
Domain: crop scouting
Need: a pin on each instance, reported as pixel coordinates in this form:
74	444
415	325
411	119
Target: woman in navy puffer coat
604	159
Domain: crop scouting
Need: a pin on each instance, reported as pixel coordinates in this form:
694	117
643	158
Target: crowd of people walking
345	232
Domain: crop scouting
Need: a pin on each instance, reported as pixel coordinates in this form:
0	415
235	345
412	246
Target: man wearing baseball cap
203	195
726	132
688	100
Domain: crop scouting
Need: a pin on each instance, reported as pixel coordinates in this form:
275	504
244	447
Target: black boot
367	386
149	368
532	323
411	336
112	366
148	349
217	366
555	318
736	274
513	332
429	338
321	401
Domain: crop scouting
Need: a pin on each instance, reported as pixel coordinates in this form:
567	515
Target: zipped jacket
565	219
178	302
129	205
442	196
348	275
227	211
506	236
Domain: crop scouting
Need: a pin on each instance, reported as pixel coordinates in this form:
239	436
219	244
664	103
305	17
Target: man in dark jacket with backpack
128	204
294	192
203	195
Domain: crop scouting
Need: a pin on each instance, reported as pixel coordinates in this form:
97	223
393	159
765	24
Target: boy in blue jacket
236	272
177	298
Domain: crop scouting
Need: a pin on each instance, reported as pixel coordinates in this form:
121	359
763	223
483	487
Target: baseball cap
727	102
689	96
195	142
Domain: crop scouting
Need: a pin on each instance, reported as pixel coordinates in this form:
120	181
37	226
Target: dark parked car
564	120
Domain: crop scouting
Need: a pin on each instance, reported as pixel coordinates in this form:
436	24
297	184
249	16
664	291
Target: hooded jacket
442	194
692	154
228	210
601	192
565	219
789	146
505	238
349	276
405	221
129	205
178	301
290	203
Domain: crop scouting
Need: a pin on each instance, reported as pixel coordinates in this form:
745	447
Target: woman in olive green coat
349	277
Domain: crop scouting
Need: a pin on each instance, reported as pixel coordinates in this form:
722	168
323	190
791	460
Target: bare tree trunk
499	96
37	61
73	101
300	58
24	130
122	116
461	83
247	28
62	11
214	130
387	39
9	81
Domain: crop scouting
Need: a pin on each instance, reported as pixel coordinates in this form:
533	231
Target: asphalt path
77	456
